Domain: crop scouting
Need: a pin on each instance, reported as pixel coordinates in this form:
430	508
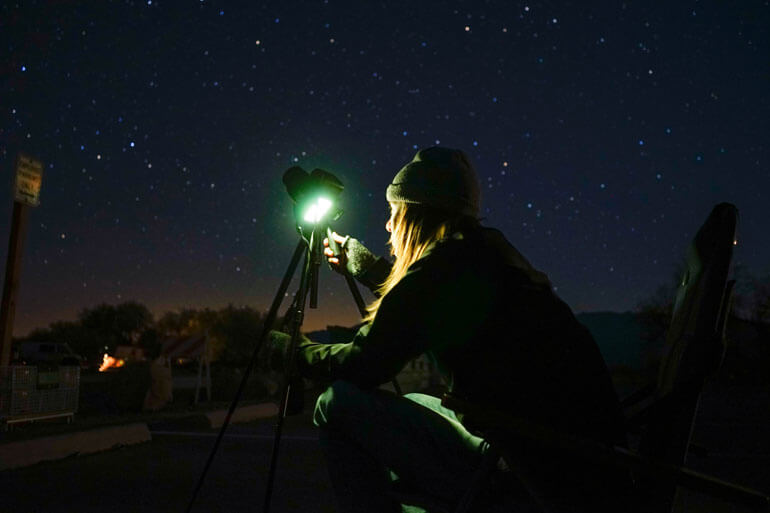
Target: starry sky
602	132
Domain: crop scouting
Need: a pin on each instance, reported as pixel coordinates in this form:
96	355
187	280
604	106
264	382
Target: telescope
315	197
314	194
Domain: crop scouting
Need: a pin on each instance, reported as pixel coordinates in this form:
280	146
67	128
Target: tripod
312	248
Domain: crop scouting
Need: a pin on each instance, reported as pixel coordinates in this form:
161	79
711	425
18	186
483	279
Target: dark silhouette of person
492	324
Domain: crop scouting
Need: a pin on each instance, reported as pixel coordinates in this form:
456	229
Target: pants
371	437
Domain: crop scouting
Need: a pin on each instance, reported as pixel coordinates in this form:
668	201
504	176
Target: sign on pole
26	193
29	176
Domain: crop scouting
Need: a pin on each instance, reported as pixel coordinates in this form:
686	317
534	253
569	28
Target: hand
272	355
354	259
337	261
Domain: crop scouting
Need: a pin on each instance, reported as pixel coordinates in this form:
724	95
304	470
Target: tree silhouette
108	326
180	323
233	331
239	328
760	300
72	333
654	315
751	304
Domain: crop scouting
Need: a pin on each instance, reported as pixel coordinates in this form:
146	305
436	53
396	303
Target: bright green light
316	211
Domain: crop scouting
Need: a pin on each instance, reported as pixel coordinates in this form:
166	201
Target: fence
33	393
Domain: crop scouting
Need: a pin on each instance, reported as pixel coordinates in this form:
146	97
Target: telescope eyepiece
295	179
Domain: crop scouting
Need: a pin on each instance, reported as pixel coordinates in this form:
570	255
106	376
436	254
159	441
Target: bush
225	380
118	391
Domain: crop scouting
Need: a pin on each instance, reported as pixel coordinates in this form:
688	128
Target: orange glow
108	362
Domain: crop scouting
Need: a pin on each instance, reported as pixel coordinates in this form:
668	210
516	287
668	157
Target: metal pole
316	253
12	274
297	317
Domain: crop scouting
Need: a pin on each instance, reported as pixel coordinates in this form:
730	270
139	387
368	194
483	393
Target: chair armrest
638	396
698	450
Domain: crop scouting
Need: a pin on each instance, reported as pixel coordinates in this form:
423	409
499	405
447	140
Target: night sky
603	133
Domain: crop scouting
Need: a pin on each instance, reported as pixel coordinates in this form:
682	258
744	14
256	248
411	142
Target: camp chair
695	345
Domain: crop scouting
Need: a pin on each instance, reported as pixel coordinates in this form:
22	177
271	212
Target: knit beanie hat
439	177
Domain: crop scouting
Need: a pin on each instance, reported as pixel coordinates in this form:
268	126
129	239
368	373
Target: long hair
414	228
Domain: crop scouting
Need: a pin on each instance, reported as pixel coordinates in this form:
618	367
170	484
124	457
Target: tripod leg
276	444
297	316
269	321
356	295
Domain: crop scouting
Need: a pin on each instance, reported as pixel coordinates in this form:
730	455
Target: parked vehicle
52	353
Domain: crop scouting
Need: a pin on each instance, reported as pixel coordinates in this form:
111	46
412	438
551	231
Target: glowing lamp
313	194
317	210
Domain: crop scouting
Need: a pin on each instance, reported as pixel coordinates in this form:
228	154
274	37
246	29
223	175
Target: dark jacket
495	329
504	341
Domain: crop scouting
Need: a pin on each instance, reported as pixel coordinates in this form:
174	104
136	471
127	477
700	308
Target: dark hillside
617	335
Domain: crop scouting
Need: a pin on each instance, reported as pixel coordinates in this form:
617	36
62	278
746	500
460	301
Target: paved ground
159	476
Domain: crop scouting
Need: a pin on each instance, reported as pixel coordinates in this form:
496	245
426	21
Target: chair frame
657	464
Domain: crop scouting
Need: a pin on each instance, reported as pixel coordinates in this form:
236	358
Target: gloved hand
273	356
274	351
355	258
